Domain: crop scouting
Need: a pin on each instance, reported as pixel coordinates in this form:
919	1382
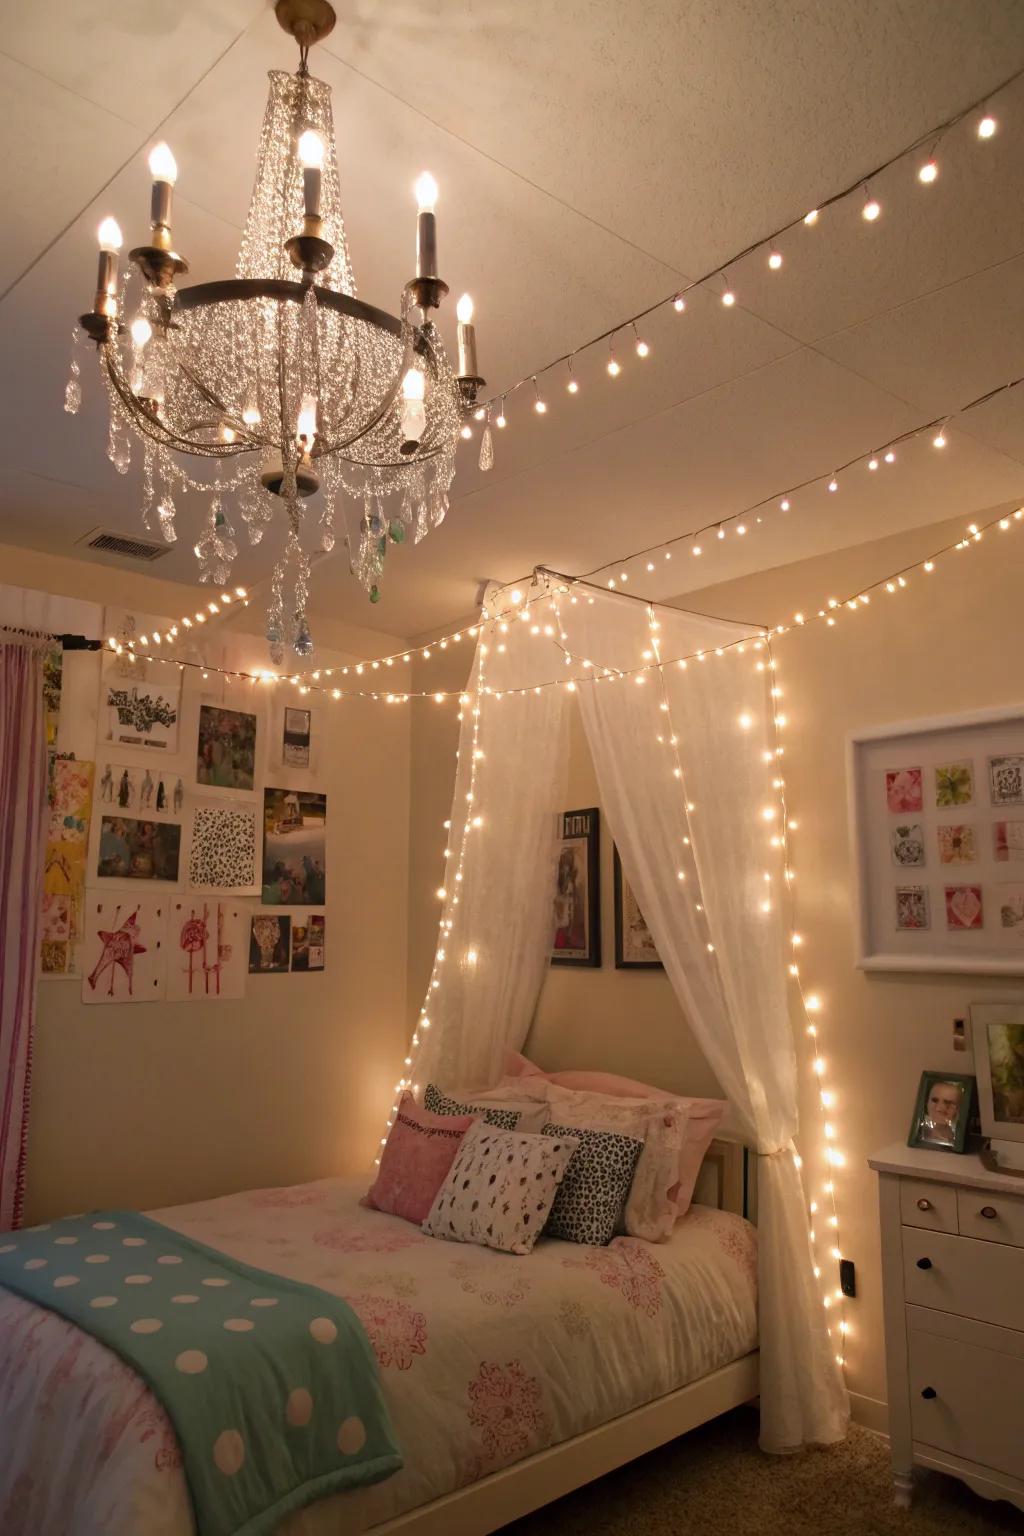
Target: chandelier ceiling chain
282	370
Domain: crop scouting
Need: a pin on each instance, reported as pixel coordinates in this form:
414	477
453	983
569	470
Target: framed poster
577	914
936	810
635	949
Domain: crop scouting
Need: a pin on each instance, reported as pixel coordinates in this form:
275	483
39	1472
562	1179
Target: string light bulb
928	172
775	260
986	127
678	303
811	218
613	364
573	385
538	404
871	210
728	298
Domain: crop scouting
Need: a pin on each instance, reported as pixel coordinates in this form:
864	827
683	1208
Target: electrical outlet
847	1277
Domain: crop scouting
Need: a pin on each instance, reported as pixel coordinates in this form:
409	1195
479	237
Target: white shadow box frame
995	946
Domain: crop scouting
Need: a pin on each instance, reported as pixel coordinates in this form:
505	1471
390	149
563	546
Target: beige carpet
715	1482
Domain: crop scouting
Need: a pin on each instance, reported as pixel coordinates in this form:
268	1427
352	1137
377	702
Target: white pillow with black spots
438	1103
592	1196
500	1188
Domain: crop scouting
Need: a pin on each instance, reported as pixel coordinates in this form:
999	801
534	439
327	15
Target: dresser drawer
959	1274
993	1218
974	1403
924	1203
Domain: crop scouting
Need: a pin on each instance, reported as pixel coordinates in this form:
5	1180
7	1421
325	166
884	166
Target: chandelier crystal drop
305	397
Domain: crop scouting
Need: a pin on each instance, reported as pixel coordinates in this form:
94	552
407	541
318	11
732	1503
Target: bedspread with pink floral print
484	1357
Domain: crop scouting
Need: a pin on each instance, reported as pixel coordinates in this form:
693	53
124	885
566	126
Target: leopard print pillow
592	1196
439	1103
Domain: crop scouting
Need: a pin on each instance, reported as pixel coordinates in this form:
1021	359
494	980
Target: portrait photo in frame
576	938
942	1111
635	949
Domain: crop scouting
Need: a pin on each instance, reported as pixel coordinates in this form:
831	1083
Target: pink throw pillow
704	1115
415	1162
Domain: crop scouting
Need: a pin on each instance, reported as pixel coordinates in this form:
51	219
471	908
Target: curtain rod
65	641
630	597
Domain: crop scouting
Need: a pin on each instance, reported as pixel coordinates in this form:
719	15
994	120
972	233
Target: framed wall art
577	915
936	810
226	748
635	949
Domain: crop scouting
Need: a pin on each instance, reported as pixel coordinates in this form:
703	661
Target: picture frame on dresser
997	1031
936	830
942	1112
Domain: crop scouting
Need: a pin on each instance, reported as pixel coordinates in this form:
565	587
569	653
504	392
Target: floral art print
912	909
964	907
908	845
954	784
1006	780
904	790
956	845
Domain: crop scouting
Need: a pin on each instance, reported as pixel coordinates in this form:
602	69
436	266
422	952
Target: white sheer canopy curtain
495	934
685	760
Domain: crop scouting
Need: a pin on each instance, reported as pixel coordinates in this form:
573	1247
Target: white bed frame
727	1181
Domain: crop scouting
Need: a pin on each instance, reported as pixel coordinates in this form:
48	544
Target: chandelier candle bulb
426	226
414	416
164	170
110	238
311	158
467	339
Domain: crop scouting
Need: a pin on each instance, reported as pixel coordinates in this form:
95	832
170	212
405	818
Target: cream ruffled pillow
651	1209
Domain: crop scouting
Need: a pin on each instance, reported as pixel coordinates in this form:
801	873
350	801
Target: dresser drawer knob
923	1204
929	1392
924	1263
989	1212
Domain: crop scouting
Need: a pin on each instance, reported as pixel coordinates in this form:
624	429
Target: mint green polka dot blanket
271	1385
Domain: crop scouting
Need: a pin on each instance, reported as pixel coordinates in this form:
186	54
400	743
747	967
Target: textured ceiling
591	158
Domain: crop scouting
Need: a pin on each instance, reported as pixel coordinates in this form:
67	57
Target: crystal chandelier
293	386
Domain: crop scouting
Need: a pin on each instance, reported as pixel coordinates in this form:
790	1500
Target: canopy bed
508	1377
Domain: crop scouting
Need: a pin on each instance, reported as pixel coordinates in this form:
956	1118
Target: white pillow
500	1188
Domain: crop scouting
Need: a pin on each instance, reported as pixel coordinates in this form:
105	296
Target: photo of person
294	848
942	1111
576	918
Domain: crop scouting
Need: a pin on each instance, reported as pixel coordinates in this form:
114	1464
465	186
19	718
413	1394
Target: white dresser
953	1281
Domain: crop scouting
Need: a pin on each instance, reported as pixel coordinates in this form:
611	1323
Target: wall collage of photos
191	853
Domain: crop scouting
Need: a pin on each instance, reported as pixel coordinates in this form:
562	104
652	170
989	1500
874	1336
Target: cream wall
948	642
151	1104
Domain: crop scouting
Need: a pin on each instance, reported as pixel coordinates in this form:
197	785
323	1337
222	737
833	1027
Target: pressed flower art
912	909
964	906
908	845
904	790
956	845
954	784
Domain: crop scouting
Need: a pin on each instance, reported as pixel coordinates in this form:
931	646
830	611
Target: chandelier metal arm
198	295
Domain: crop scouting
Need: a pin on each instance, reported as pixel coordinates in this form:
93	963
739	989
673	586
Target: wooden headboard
728	1179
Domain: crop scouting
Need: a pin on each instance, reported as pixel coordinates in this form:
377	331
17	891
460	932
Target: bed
509	1380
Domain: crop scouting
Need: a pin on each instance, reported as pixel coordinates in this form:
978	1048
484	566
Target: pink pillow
420	1150
704	1115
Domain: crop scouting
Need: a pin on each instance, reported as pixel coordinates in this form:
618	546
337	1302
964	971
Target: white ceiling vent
128	547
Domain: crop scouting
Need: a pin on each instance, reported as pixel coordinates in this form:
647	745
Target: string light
759	510
572	385
613	363
871	210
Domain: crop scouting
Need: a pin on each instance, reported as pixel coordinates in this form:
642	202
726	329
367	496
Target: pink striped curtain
23	813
